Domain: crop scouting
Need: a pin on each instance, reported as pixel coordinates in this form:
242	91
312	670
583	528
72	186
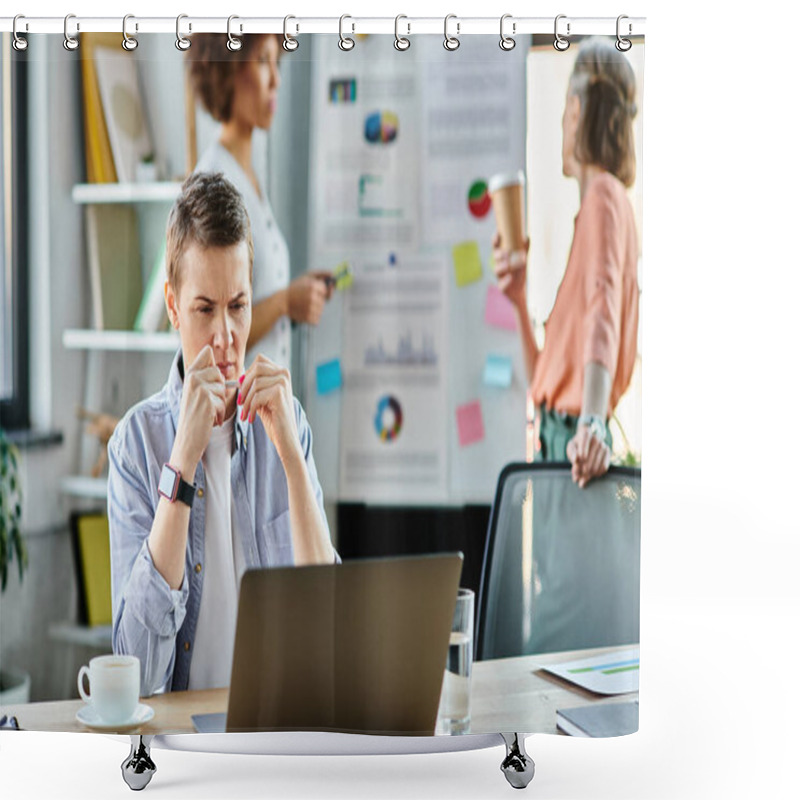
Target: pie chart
479	199
380	127
388	418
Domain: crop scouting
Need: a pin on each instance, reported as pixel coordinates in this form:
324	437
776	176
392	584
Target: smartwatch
172	486
595	423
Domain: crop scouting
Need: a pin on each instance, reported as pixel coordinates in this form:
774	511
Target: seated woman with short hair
214	474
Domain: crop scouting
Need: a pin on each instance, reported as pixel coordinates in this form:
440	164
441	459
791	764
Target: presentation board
416	386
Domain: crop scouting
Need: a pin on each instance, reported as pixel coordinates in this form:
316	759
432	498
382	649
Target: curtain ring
129	43
70	42
451	42
345	42
181	42
290	44
507	42
401	42
234	44
20	43
623	45
560	43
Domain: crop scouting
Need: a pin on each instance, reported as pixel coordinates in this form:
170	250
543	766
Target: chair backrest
561	568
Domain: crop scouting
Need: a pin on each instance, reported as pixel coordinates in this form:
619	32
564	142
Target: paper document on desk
609	673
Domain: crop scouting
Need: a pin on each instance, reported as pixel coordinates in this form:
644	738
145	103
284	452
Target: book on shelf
121	99
99	159
152	313
92	553
115	272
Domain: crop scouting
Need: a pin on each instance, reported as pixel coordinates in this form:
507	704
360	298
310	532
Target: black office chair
561	567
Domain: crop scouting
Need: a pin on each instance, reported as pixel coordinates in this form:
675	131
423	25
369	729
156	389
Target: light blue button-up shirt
151	620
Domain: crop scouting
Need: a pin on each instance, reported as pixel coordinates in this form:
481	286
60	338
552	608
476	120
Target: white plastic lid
506	179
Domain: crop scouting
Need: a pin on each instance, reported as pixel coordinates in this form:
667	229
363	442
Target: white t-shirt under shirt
222	569
270	253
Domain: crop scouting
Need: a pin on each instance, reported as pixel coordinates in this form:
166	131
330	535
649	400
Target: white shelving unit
98	637
97	342
163	192
84	486
127	341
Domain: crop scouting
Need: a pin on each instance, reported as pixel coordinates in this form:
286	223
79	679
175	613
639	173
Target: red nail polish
241	399
241	379
242	416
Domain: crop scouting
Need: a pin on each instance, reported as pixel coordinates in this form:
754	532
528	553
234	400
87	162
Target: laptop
358	647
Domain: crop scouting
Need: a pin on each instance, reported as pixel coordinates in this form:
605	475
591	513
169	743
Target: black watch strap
185	492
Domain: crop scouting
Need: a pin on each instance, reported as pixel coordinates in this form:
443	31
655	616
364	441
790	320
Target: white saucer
88	716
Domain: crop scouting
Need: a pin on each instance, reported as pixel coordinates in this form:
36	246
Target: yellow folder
99	157
93	560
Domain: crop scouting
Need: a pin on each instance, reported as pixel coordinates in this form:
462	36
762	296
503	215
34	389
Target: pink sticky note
499	311
470	423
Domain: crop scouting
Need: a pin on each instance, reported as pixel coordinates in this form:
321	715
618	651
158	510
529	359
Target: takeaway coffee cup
113	687
508	200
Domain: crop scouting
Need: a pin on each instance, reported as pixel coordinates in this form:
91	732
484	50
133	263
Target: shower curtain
373	176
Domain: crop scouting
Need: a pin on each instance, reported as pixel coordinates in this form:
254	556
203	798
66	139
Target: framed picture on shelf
123	110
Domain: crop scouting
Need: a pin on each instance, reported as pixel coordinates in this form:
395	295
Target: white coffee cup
113	687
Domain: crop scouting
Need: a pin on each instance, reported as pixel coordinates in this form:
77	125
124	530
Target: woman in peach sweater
586	363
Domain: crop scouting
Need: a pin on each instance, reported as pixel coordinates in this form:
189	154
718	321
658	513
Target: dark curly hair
603	80
212	69
209	211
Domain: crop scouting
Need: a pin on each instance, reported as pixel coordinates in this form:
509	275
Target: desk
508	695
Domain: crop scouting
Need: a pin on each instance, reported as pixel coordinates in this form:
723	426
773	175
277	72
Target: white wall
48	592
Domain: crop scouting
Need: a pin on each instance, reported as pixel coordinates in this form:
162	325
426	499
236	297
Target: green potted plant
14	686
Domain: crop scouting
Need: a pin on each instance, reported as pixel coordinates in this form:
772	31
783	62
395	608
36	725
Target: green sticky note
343	276
467	262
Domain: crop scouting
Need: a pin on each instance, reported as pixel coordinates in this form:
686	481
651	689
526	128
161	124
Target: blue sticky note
329	376
498	371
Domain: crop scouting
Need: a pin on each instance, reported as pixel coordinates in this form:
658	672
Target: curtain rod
406	25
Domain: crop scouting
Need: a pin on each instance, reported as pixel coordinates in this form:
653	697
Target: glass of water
454	705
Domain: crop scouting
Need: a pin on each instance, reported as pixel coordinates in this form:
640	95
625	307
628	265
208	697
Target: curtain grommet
560	43
346	43
451	43
290	43
507	42
181	42
623	45
70	42
401	43
20	43
129	43
233	44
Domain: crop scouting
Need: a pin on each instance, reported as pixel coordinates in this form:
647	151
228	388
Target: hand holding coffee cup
507	191
512	277
113	687
510	244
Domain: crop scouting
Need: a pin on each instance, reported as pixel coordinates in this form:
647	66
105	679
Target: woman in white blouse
240	91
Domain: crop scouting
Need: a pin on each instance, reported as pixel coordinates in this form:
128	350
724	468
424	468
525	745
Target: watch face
168	483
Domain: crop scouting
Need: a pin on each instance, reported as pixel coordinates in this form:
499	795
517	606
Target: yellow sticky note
467	262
